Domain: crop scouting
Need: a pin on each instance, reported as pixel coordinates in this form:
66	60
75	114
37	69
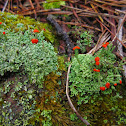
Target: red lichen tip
97	63
76	47
115	84
4	33
35	30
102	88
0	23
105	45
107	85
120	81
44	29
97	59
34	41
96	70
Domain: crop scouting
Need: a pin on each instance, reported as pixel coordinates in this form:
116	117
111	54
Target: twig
103	7
38	5
109	21
112	33
90	12
61	33
33	9
99	41
74	12
119	29
117	2
96	12
46	12
70	102
112	4
104	37
10	11
57	12
119	45
5	6
79	24
119	11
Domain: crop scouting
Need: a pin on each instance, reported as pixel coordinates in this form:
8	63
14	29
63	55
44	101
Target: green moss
61	61
17	22
18	97
50	101
105	110
50	5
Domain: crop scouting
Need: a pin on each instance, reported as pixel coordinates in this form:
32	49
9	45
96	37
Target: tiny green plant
73	117
46	114
85	40
49	4
94	74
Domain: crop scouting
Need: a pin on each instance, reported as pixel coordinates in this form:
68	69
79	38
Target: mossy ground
106	110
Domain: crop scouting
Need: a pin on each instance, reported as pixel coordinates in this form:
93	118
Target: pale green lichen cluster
18	52
87	82
29	63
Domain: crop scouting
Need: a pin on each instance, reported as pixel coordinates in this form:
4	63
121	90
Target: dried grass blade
104	37
33	9
104	8
111	4
96	12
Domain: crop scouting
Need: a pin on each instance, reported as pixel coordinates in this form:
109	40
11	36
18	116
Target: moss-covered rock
29	70
21	23
32	84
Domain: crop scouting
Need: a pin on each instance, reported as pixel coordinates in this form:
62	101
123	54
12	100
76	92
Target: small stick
38	5
91	13
5	6
111	4
61	33
33	9
119	45
74	12
78	24
70	102
112	33
119	29
103	7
